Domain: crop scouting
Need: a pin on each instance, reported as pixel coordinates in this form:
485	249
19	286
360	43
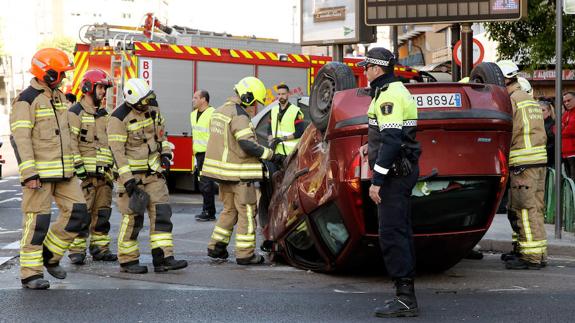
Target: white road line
3	180
4	259
347	292
513	289
7	191
11	177
19	199
12	246
12	231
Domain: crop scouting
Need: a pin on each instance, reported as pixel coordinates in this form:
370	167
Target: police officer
286	124
233	159
200	120
393	156
527	166
138	141
41	141
93	160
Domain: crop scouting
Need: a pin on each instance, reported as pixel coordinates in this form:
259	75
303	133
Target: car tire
487	73
332	77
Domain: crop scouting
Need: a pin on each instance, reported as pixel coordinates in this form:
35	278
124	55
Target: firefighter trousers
239	201
42	243
395	230
207	188
159	213
527	202
98	194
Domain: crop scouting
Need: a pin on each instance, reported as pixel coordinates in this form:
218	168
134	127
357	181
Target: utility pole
466	49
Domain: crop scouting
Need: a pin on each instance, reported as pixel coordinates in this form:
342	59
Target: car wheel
332	77
487	73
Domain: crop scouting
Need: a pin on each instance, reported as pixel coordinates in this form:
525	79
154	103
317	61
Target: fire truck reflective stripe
216	51
298	58
124	169
118	138
234	53
218	237
21	124
176	49
79	72
148	47
259	55
246	166
246	54
27	164
190	50
204	51
273	56
526	128
223	231
243	132
232	173
79	60
380	169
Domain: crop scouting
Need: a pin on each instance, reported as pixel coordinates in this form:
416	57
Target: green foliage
531	41
61	42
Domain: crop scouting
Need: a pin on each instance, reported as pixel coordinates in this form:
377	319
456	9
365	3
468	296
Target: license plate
438	100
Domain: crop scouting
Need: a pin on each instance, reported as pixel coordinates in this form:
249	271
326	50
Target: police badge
386	108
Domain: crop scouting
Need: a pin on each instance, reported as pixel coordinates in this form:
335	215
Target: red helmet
50	64
92	78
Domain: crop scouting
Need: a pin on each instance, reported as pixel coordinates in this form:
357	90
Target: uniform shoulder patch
241	111
101	113
76	108
121	112
386	108
29	95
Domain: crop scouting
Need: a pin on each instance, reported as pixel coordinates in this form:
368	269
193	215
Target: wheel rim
325	92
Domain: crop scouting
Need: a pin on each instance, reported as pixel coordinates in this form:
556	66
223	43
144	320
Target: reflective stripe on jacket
200	129
284	127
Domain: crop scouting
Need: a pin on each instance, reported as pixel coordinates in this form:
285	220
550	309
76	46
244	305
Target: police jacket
528	139
137	140
200	129
392	117
89	138
233	152
41	135
283	123
568	134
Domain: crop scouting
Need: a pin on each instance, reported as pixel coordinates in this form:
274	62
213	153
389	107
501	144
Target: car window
302	246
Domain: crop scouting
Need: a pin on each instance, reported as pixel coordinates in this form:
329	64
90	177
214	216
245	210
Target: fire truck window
302	246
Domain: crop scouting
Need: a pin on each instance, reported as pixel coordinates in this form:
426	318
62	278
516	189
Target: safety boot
169	263
56	271
514	253
104	256
220	251
255	259
205	216
404	304
518	264
133	267
38	283
77	258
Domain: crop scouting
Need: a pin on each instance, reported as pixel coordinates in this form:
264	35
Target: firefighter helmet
136	90
94	77
251	89
525	85
508	68
49	65
378	56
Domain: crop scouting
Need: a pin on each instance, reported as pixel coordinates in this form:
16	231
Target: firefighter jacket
528	139
89	138
41	135
285	127
233	152
137	140
200	129
568	134
392	117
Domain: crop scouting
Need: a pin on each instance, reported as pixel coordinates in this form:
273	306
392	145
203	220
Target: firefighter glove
80	171
131	186
139	201
275	142
165	160
278	159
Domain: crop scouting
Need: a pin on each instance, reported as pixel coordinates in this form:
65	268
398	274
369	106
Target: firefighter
200	120
140	148
41	141
527	167
286	124
233	159
393	155
93	160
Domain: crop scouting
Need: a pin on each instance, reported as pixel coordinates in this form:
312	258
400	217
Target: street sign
478	52
442	11
569	7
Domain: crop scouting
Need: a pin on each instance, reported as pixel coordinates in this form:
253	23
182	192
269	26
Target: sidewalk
498	238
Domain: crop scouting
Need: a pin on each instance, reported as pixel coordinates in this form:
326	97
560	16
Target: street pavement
208	291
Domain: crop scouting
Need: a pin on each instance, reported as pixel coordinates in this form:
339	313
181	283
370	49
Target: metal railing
567	200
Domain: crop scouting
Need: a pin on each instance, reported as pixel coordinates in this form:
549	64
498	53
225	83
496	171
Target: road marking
3	180
12	231
7	191
347	292
4	260
11	177
514	289
12	246
11	199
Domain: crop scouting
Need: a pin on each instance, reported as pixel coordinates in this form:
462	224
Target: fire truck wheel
487	73
332	77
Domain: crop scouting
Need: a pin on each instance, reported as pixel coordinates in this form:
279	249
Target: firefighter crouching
140	148
233	159
41	141
93	162
527	166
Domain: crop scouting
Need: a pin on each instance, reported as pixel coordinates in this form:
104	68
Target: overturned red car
320	216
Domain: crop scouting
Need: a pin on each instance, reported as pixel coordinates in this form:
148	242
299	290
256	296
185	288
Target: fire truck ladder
119	63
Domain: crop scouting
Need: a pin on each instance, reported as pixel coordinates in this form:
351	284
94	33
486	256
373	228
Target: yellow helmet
251	89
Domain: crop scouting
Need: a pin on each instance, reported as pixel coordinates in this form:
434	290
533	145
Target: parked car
320	216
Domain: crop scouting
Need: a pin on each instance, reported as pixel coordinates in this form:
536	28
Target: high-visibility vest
285	127
201	129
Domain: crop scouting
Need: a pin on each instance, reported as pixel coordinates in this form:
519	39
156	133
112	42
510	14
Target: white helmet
508	68
136	89
525	86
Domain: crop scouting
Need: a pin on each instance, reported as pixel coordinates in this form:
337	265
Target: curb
500	246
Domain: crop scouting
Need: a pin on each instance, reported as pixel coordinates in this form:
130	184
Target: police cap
378	56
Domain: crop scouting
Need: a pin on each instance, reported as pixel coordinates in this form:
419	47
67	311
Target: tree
531	41
61	42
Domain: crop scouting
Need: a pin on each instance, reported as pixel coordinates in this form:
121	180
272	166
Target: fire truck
177	61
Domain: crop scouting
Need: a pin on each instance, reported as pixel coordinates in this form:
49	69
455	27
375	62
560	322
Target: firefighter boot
518	263
169	263
56	271
512	254
220	251
255	259
404	304
38	283
77	258
133	267
98	255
